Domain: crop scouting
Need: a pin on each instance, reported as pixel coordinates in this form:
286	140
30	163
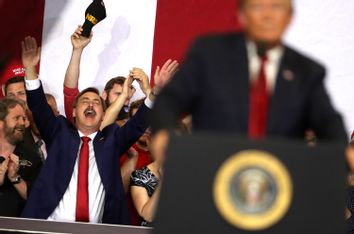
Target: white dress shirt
42	145
66	210
271	67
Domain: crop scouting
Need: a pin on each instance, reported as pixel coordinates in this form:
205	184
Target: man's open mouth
20	129
90	113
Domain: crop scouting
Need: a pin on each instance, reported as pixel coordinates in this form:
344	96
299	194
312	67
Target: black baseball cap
94	13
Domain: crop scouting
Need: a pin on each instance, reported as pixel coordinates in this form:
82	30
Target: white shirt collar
274	56
91	136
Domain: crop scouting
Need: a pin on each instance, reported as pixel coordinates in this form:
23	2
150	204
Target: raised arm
114	109
30	57
37	103
136	126
73	71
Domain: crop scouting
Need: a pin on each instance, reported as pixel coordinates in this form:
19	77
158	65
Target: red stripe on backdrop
179	22
21	19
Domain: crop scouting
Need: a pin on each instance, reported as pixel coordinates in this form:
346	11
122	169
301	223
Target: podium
226	184
21	225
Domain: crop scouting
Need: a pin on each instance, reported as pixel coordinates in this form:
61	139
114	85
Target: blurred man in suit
250	83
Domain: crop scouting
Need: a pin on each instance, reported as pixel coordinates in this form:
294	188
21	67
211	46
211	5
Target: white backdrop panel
121	41
323	29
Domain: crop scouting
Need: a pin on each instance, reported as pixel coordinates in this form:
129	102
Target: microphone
94	13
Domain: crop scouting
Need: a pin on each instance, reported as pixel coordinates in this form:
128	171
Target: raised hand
162	76
131	92
128	89
12	173
114	109
30	52
73	71
13	166
143	80
78	41
3	169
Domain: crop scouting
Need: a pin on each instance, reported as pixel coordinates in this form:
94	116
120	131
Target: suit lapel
73	150
98	144
240	81
286	87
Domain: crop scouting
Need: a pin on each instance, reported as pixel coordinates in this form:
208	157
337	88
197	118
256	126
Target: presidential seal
252	190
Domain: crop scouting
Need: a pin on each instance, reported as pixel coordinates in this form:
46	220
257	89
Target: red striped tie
259	102
82	196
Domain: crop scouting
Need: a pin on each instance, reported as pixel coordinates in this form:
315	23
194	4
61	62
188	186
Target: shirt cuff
148	102
32	84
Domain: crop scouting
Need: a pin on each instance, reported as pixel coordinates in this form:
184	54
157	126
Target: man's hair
241	4
93	90
13	80
119	80
135	105
8	103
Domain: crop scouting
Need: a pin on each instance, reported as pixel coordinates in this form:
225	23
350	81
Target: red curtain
179	22
20	19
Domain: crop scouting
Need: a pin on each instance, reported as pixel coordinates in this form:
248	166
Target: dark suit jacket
28	147
62	141
213	85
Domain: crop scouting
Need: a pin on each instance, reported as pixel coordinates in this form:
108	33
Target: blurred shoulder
219	40
303	61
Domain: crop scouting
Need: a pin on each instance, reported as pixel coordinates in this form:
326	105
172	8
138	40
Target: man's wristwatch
17	180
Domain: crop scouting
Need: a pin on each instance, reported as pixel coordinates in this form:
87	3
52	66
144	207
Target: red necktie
82	196
259	102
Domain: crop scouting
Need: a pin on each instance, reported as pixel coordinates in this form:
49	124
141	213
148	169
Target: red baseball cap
13	68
